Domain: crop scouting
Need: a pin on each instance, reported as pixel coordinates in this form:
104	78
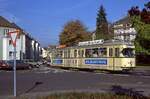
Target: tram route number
98	61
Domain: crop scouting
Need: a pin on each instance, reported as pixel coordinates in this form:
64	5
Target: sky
44	19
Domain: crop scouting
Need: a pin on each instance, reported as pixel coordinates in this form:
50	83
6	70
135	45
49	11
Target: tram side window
102	52
75	53
117	52
58	54
81	53
88	53
128	52
68	54
65	54
95	52
110	52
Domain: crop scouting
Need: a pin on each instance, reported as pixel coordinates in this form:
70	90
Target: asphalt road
46	79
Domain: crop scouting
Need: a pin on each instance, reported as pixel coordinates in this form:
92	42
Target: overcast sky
44	19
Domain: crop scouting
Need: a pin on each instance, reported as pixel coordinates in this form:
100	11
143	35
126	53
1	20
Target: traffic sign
13	35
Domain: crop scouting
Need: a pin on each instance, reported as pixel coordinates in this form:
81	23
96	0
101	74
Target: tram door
75	58
81	55
114	58
66	61
70	56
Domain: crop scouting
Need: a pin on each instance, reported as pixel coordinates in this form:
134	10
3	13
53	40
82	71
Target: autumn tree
144	14
102	25
73	32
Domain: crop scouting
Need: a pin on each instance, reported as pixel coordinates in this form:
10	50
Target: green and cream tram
111	55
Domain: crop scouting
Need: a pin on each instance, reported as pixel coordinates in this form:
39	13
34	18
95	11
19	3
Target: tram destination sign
94	42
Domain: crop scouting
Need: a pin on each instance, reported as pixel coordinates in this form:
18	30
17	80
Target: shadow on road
33	87
133	73
118	90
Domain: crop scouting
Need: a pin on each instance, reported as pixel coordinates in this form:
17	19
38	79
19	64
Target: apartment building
27	48
123	30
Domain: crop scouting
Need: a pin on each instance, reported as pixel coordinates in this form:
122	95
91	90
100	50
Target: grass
89	96
81	95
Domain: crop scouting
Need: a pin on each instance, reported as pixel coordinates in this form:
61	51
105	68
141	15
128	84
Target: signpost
13	35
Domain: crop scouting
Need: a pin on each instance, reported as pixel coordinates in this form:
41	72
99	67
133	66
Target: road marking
139	82
49	70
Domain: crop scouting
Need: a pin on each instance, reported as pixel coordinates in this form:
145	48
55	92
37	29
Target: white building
26	46
123	30
6	47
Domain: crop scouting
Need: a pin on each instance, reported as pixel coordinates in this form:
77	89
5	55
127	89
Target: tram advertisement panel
58	61
96	61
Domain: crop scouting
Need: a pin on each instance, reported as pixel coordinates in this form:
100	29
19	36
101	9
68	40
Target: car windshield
128	52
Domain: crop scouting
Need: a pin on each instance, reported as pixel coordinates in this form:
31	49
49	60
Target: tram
111	55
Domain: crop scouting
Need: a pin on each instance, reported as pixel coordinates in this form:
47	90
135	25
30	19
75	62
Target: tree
147	5
141	22
73	32
102	25
142	40
144	14
134	11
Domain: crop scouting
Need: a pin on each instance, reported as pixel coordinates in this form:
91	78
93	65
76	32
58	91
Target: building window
10	53
6	31
10	42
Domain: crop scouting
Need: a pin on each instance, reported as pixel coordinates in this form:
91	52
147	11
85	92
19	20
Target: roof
124	20
16	26
5	23
106	43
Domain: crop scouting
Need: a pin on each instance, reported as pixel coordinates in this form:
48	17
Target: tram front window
128	52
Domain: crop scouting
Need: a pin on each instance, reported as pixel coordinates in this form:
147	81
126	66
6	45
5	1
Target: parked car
19	65
4	65
33	64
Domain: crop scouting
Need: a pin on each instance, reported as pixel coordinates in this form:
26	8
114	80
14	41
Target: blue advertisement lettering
98	61
57	61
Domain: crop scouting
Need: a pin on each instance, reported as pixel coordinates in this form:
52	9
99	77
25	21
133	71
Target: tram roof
106	43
